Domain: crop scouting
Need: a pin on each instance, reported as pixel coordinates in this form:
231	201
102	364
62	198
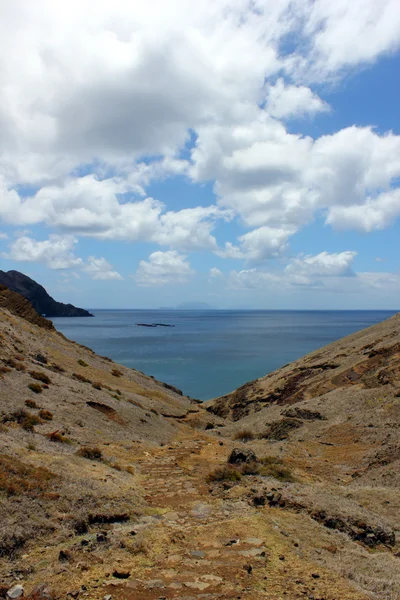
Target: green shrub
40	376
82	363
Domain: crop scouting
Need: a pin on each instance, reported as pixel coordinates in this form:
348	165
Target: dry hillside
113	485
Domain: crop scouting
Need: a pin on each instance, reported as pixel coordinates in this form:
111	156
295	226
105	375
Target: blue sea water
212	352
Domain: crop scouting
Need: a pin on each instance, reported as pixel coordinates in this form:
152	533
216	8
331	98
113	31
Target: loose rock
17	591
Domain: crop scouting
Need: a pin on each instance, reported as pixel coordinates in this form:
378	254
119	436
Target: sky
242	153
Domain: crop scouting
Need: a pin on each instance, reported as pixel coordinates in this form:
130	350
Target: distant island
189	306
41	301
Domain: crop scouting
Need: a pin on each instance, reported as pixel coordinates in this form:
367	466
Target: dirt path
205	547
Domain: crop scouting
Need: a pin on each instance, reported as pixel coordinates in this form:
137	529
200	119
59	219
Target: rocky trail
207	547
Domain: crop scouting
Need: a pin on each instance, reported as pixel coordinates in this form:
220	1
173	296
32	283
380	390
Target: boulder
239	455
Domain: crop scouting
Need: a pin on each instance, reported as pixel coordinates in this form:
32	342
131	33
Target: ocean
209	353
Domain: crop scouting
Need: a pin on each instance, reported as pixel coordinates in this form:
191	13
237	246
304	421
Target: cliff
41	301
21	307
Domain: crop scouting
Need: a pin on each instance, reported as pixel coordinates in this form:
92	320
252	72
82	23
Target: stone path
200	559
205	547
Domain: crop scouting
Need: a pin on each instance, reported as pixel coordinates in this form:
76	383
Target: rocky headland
41	301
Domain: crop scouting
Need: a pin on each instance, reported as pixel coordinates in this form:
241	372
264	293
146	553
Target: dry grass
224	473
39	376
24	418
244	435
90	452
46	415
31	404
36	388
81	378
18	478
58	437
82	363
116	373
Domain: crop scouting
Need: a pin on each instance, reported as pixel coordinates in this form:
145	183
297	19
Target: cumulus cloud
323	272
322	265
163	268
288	101
304	270
214	272
279	180
100	268
97	105
375	213
259	244
55	253
58	253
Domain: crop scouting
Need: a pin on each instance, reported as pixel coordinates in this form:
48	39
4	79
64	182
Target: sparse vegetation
245	435
18	478
272	466
81	378
36	388
31	404
224	473
46	415
97	385
58	437
82	363
266	467
90	452
24	418
116	373
40	376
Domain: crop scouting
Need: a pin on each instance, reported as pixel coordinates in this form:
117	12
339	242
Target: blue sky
242	154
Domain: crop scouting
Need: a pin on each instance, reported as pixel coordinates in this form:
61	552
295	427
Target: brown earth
105	483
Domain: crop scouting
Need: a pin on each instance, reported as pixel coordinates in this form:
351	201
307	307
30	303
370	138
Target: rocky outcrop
41	301
20	306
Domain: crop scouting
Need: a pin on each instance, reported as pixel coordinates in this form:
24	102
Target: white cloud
344	34
376	213
58	253
214	272
3	236
163	268
55	253
288	101
261	243
323	272
100	268
119	91
278	180
322	265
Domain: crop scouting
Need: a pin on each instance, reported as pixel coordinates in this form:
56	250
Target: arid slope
115	485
